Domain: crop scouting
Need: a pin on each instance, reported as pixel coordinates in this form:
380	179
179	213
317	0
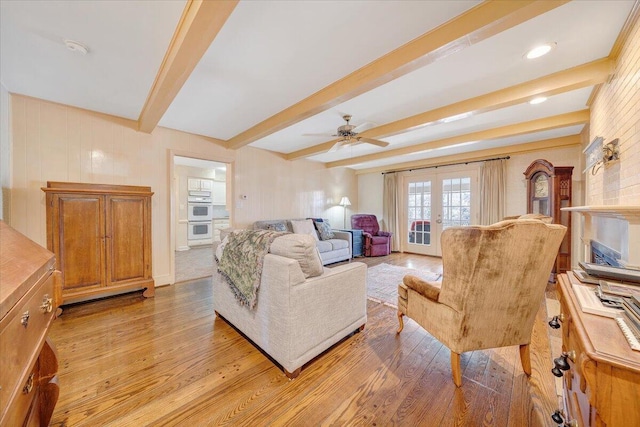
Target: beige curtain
492	191
390	208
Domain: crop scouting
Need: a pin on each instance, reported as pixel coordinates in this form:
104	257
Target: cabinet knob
558	417
561	363
47	304
29	385
25	319
555	321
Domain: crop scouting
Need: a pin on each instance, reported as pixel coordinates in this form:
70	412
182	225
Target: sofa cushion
324	230
302	248
304	227
324	246
338	243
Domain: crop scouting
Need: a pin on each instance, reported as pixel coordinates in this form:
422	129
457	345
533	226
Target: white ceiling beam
475	25
578	77
199	25
538	125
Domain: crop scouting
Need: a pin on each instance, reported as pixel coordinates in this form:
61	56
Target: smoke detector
75	46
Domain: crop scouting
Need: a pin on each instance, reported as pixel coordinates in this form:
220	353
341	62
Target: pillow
324	230
278	226
304	227
302	248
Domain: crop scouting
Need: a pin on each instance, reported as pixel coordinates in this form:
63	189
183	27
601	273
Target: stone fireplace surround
614	227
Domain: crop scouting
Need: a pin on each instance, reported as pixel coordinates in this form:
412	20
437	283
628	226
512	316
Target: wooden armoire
101	236
549	190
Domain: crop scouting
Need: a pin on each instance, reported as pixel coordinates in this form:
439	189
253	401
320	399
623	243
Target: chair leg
455	369
400	314
525	358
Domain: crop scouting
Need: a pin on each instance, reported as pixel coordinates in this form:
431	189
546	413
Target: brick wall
615	113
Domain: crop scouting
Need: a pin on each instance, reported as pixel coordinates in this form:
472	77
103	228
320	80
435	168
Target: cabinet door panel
128	246
81	243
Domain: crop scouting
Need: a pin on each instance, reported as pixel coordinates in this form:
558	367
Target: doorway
434	201
199	211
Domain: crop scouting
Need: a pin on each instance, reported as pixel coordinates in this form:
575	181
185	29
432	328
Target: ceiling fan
349	136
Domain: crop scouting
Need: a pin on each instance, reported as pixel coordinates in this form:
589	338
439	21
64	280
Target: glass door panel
434	202
418	220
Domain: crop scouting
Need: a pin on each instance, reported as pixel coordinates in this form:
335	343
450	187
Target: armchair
376	241
494	279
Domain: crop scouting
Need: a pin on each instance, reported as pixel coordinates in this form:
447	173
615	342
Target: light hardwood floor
127	361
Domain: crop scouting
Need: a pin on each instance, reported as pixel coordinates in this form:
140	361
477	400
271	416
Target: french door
433	202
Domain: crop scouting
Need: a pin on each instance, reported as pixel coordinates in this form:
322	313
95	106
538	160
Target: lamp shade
345	201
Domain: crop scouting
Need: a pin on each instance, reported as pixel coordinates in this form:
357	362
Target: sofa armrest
384	233
425	288
342	235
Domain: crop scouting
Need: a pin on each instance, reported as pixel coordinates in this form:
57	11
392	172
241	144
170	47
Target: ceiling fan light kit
349	136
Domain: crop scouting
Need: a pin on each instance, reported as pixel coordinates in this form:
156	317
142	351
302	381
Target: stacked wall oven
200	215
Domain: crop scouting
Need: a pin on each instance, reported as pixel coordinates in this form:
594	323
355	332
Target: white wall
370	191
5	154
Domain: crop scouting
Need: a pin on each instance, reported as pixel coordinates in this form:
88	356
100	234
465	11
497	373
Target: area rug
383	280
194	263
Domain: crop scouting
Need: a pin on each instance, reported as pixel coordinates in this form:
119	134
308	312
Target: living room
50	140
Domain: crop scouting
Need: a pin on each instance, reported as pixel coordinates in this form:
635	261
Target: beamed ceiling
436	80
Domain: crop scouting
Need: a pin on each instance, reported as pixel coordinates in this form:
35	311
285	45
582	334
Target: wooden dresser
28	382
101	236
602	385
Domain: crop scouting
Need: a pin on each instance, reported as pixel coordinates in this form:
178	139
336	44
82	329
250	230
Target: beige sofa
297	315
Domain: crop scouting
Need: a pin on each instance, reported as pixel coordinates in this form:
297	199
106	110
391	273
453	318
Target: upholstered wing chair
494	279
376	241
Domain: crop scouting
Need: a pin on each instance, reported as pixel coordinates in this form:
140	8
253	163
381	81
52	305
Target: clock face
541	186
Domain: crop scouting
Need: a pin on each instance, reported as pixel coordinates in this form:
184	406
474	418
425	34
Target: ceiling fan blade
373	141
317	134
336	146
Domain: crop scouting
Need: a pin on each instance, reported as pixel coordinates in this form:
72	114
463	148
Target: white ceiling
270	55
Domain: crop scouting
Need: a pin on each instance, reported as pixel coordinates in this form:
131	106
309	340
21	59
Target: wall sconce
598	155
344	202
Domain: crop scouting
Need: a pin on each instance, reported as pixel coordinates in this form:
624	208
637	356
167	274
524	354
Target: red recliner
376	242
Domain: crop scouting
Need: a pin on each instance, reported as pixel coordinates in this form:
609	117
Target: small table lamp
344	202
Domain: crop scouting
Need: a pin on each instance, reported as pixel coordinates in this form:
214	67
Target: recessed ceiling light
539	51
538	100
75	46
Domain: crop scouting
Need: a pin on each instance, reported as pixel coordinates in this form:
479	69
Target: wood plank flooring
129	361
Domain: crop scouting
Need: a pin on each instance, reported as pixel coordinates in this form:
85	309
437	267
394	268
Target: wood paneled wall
53	142
276	188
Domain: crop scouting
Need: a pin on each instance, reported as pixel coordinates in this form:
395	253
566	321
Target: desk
602	385
357	240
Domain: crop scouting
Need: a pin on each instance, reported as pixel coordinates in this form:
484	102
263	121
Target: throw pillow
304	227
324	230
302	248
278	226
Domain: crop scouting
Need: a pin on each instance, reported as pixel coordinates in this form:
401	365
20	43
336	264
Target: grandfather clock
548	190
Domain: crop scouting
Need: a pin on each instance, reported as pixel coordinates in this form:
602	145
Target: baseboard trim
162	280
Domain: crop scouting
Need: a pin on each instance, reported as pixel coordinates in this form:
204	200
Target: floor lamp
344	202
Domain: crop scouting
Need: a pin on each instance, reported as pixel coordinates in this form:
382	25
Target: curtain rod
447	164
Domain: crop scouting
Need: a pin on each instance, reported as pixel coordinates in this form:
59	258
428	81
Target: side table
357	240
